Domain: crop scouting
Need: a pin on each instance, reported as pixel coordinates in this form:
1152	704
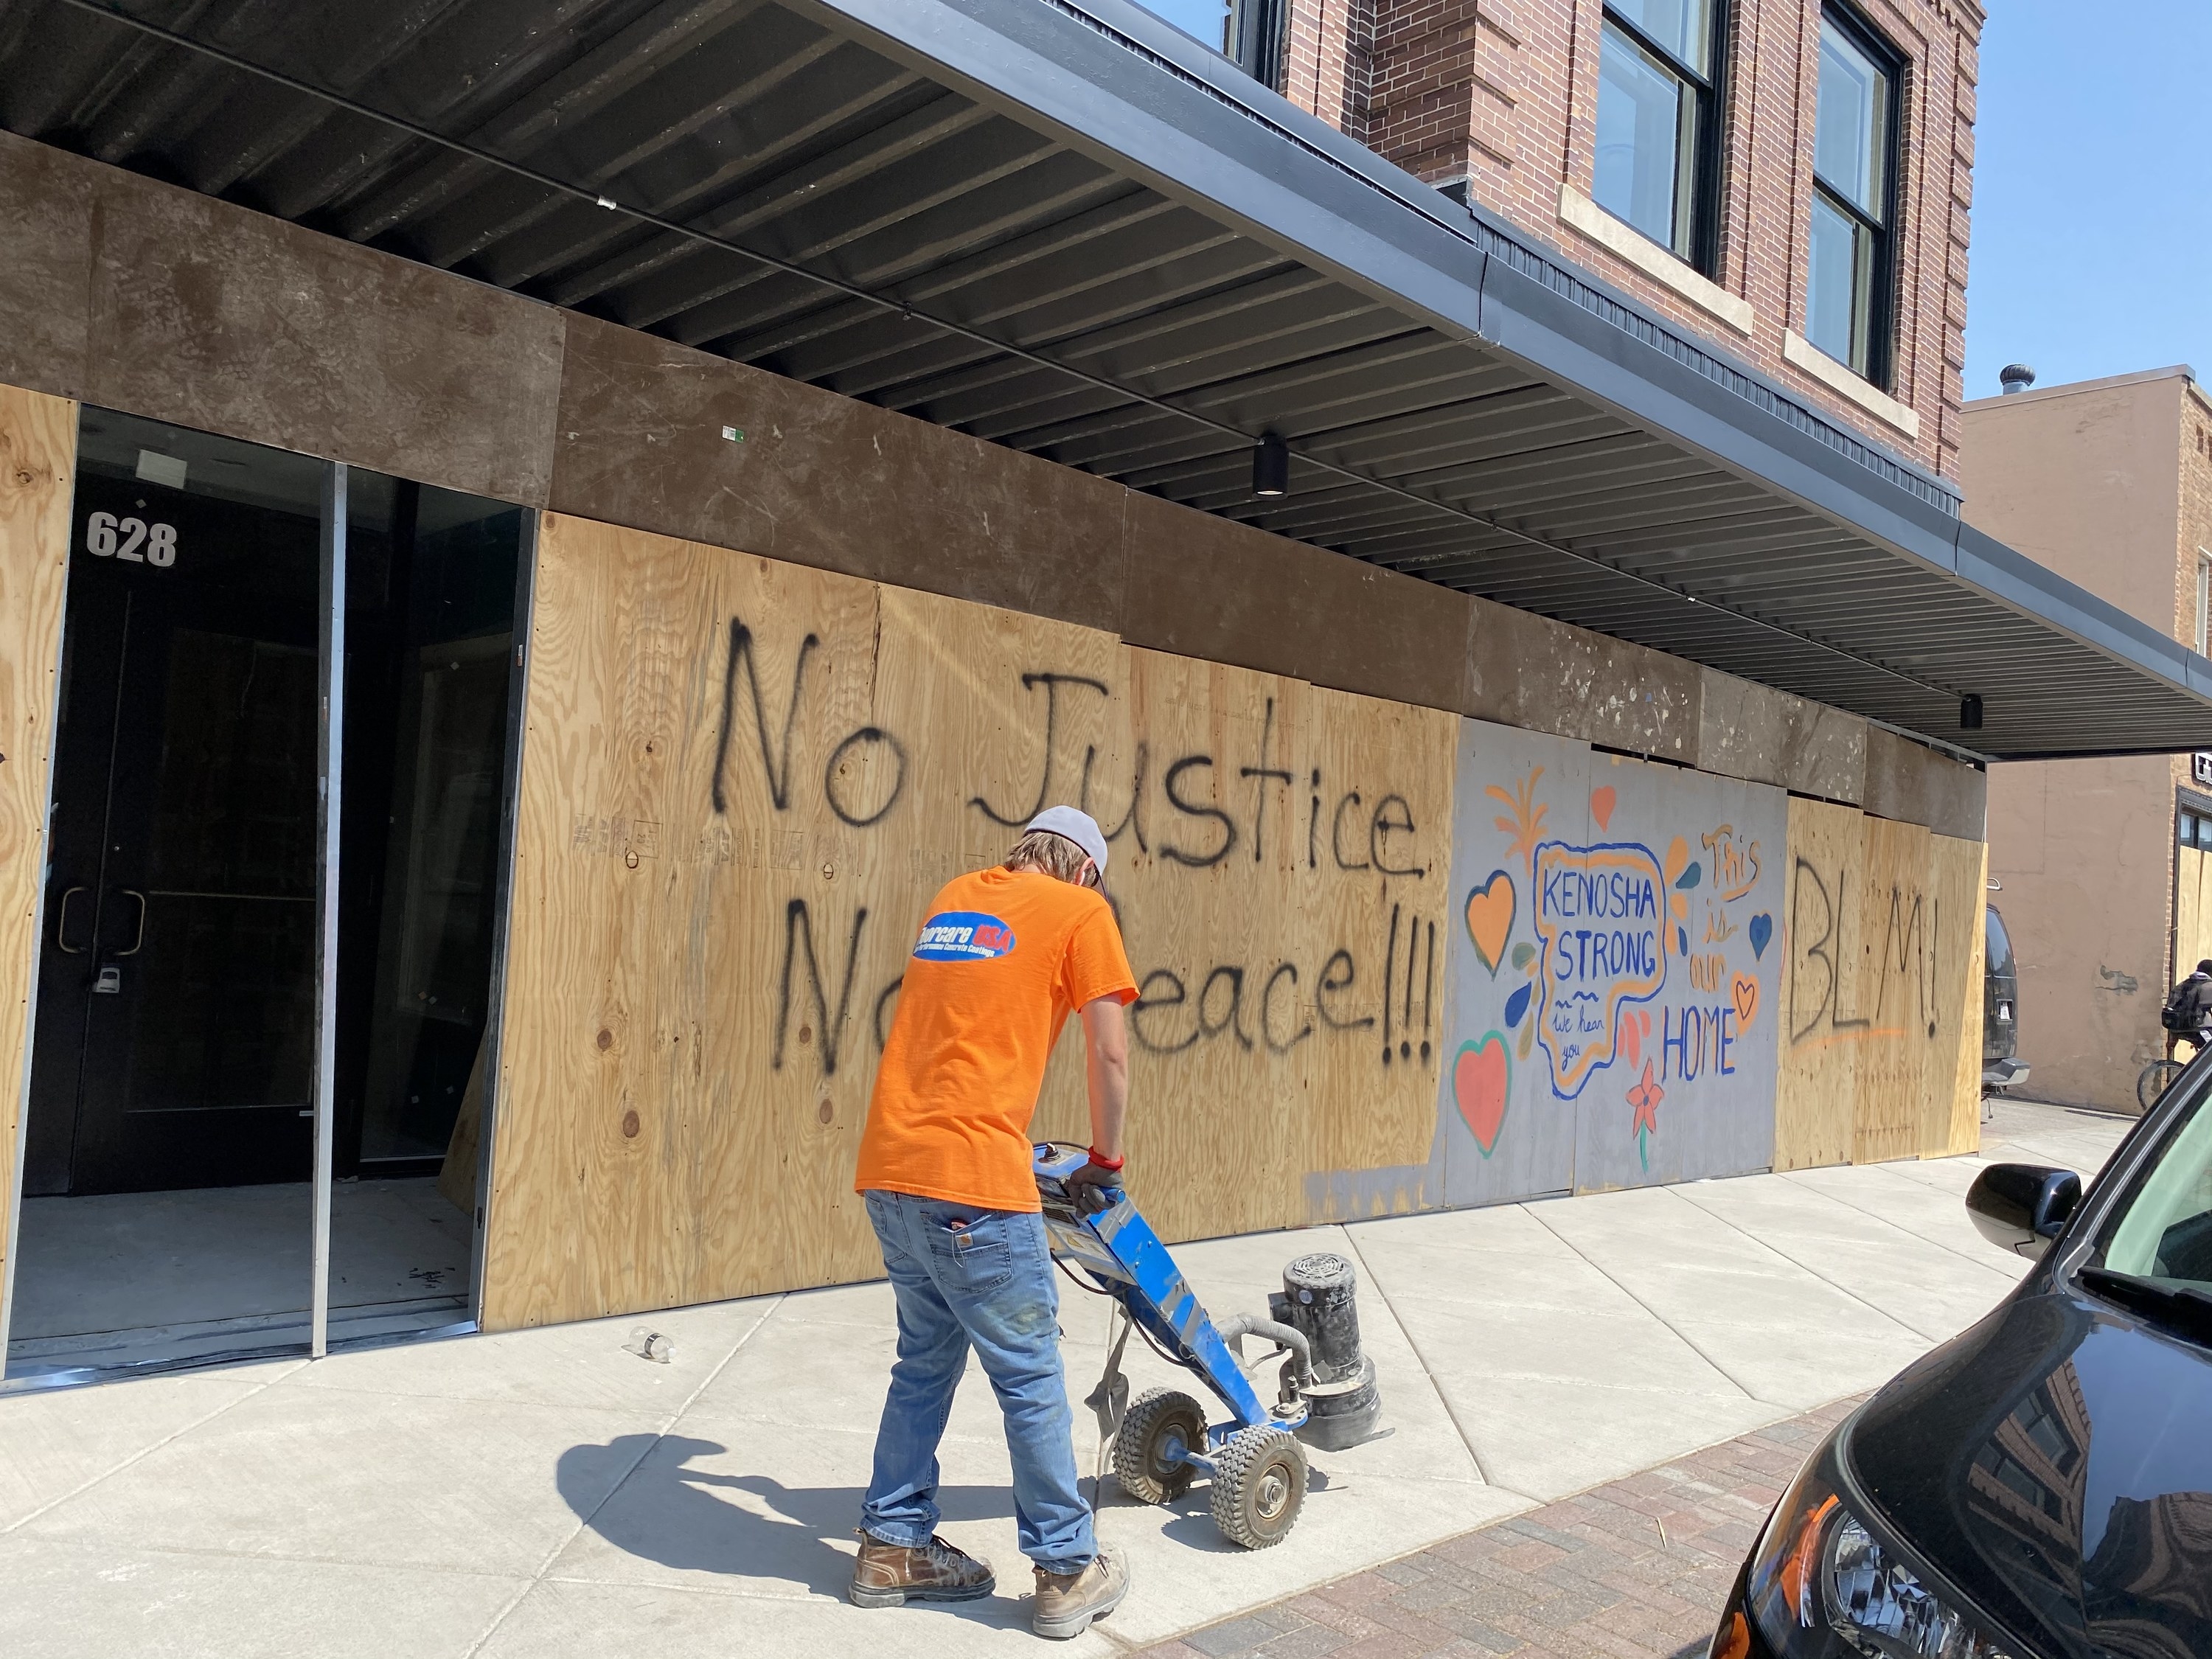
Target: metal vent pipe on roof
2016	377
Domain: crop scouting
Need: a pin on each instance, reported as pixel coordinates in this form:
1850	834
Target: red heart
1479	1075
1602	802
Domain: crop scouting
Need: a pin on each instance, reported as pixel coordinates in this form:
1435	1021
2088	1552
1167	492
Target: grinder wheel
1161	1423
1258	1486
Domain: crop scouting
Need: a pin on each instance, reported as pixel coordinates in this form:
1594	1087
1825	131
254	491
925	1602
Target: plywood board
38	465
1506	1131
1614	971
1691	1090
1372	856
1821	1026
1897	989
458	1174
2192	914
1881	991
743	781
1951	1116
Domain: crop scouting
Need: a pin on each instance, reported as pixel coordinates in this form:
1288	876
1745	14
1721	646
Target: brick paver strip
1633	1569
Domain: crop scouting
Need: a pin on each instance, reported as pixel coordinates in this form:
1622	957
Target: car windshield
2162	1229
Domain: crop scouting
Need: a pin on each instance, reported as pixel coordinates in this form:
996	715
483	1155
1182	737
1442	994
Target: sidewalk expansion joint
145	1452
1667	1324
1428	1372
584	1522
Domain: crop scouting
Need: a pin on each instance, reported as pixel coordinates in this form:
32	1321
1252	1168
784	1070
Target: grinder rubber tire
1161	1420
1258	1486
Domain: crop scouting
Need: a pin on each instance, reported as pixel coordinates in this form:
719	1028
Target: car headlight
1824	1585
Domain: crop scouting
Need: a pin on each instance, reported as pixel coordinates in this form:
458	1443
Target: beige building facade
2099	863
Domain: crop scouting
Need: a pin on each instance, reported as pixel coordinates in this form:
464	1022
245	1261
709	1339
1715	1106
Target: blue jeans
981	1279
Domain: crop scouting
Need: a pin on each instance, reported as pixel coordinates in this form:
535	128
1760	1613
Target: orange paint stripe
1851	1036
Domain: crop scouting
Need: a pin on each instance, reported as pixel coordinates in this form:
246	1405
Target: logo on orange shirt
964	935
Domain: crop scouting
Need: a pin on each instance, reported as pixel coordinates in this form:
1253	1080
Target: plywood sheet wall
742	781
2192	911
1951	1112
1881	991
1816	1091
38	462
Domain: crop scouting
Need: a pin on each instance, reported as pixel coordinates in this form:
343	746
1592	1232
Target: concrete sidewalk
548	1493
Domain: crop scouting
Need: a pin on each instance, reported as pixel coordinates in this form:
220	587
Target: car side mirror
2023	1206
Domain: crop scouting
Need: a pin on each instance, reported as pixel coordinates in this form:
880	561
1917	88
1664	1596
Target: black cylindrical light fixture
1970	712
1270	467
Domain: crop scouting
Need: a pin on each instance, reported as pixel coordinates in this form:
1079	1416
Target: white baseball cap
1079	827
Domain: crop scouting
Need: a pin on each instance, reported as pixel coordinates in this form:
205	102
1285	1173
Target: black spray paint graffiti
1826	1006
1132	821
844	758
1270	1014
798	935
1167	1018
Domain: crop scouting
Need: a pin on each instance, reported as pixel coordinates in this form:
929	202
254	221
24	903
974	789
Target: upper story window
1850	312
1251	34
1658	122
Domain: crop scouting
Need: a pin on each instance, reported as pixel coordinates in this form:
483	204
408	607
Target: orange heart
1746	990
1480	1074
1602	802
1490	918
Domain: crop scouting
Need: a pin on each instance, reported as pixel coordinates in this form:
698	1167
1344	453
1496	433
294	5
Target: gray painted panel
1505	1132
1615	967
1691	1093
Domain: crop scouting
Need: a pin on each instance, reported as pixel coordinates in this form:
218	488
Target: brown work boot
891	1574
1067	1602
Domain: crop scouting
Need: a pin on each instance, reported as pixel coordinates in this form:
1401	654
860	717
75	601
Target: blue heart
1761	930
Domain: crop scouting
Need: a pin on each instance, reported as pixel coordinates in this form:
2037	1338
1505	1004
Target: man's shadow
639	1493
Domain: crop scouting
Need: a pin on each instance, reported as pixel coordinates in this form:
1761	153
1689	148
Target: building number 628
106	537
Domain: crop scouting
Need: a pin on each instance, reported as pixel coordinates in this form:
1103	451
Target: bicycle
2160	1075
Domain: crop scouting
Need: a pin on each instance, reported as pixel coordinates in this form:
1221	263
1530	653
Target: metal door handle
133	892
61	926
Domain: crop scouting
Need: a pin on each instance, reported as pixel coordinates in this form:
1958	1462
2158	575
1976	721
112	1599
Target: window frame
1881	298
1711	133
1256	36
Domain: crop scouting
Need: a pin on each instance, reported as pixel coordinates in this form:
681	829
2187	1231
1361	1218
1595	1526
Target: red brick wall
1503	95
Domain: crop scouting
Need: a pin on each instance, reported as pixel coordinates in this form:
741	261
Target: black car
2001	1067
2040	1486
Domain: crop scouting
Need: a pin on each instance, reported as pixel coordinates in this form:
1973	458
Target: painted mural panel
1505	1129
1690	1091
1613	971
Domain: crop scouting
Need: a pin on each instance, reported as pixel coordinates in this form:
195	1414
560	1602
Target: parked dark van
2000	1065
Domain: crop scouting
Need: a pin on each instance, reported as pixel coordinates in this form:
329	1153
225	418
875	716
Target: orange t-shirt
1001	960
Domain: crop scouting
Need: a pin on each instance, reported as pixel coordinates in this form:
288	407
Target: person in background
2188	1010
1002	959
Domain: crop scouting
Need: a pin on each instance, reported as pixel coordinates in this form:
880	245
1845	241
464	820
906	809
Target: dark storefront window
1848	309
1658	122
238	1140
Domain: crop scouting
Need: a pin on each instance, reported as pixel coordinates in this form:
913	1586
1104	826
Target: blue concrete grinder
1326	1394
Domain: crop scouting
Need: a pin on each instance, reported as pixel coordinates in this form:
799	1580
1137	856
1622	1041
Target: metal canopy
1074	232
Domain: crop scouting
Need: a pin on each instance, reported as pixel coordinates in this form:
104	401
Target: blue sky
2092	249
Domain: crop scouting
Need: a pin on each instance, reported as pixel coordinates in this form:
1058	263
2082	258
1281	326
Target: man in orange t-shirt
1002	958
